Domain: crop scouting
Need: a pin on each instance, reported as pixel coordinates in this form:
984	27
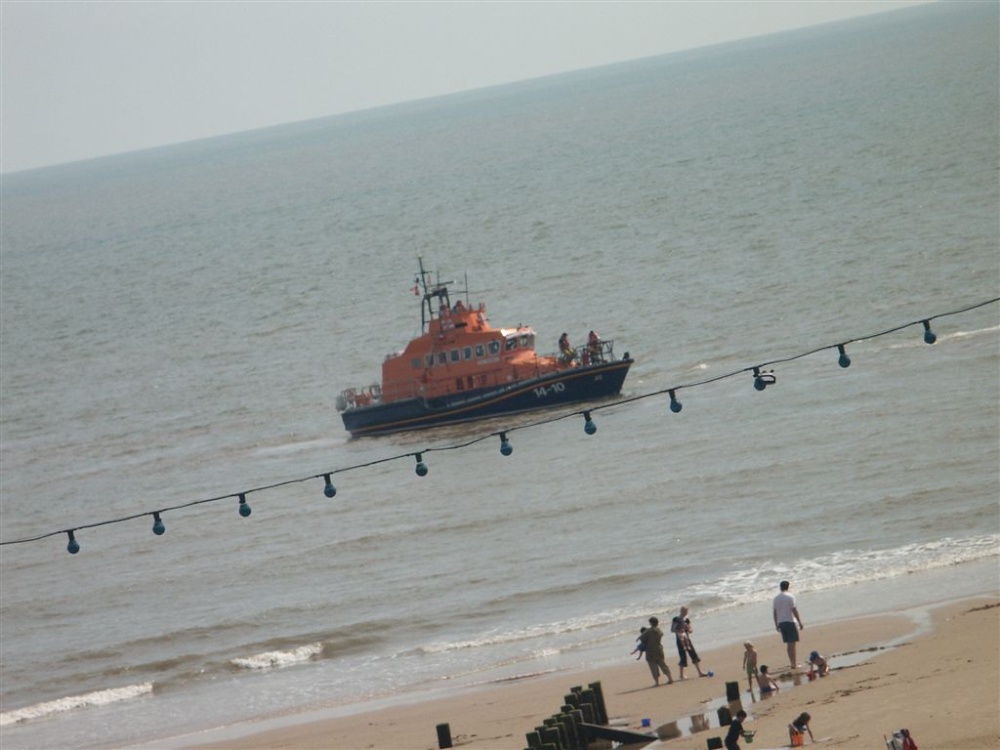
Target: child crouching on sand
798	728
817	663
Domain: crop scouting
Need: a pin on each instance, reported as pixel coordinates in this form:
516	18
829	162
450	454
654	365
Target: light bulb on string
329	490
762	380
421	467
74	546
675	405
505	447
929	336
158	526
244	506
588	426
844	361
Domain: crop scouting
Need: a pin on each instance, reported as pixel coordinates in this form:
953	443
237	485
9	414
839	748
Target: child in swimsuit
798	728
750	663
817	663
766	682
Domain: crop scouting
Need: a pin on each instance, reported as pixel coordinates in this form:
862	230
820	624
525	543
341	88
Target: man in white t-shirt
786	614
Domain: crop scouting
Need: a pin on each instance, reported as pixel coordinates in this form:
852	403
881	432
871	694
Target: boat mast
438	290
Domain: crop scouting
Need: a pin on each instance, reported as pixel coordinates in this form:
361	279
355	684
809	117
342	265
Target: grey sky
83	79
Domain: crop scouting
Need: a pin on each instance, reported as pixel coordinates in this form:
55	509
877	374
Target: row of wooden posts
583	718
571	728
567	730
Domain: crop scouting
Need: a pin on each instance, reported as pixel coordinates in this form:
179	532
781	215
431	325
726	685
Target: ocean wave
70	703
276	659
842	568
753	581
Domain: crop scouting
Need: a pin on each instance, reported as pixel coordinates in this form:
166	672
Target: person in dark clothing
732	741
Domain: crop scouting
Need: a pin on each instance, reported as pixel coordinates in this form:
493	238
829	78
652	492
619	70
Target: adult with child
786	615
652	641
680	626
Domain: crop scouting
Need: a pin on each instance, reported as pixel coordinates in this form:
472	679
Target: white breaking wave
271	659
97	698
849	567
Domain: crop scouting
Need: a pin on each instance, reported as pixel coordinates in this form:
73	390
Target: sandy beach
888	671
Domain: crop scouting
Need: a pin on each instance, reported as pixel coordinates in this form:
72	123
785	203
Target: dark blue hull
564	387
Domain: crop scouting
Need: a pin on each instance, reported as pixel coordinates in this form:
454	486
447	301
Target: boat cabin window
480	350
494	347
416	363
442	358
526	341
511	343
429	359
456	355
467	352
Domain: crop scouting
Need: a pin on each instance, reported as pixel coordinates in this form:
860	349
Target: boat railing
590	354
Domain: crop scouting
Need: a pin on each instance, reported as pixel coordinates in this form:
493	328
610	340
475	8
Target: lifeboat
461	369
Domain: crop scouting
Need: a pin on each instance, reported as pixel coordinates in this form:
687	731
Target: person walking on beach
786	614
750	663
652	639
732	741
680	626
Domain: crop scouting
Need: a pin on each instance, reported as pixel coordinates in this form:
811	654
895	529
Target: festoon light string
762	378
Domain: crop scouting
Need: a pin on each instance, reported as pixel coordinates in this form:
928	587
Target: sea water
176	324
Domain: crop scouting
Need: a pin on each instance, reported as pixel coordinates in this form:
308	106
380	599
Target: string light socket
329	490
675	405
244	506
762	380
74	546
505	447
929	336
588	426
844	361
421	467
158	526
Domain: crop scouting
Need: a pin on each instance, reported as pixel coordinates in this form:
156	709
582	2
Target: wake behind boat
462	369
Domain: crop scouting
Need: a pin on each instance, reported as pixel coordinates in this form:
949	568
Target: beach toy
711	673
646	722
